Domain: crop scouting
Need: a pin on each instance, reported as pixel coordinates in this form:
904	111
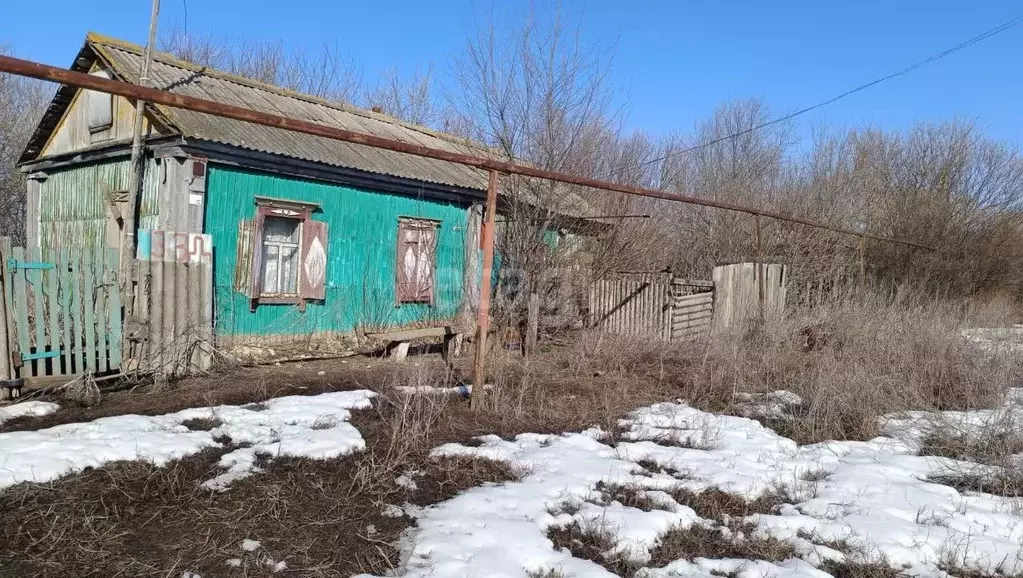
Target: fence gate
61	317
692	309
636	304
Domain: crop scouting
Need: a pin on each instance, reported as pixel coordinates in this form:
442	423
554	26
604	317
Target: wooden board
409	334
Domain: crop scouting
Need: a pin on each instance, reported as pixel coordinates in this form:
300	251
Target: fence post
5	315
760	271
532	324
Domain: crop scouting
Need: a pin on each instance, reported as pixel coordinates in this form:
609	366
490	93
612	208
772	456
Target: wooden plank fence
636	304
656	305
61	318
737	293
692	309
171	332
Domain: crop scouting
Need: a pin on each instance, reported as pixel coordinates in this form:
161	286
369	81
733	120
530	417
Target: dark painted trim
267	162
105	151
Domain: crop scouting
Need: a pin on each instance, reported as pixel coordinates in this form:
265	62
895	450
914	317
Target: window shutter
255	279
424	273
407	263
243	258
313	276
415	254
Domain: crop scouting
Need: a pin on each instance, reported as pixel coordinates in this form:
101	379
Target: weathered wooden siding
636	304
72	134
736	293
361	253
692	309
73	205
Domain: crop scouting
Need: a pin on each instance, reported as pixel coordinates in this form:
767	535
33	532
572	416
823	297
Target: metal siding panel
72	206
361	253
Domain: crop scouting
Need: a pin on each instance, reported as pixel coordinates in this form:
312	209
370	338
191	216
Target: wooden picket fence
171	332
63	318
60	318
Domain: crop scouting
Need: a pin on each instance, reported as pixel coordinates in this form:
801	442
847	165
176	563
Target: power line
978	38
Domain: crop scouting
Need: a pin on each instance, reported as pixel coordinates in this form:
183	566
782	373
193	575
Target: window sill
277	300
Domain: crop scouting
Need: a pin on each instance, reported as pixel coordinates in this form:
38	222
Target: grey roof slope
182	77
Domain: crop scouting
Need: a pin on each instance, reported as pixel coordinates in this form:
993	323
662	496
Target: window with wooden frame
417	241
282	254
99	109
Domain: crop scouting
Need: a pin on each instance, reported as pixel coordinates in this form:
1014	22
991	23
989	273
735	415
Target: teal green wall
362	237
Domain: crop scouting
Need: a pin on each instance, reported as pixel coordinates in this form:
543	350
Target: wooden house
309	235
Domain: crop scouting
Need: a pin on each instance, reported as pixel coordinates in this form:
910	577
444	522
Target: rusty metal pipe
80	80
483	316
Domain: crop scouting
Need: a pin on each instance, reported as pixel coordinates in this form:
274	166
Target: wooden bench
400	340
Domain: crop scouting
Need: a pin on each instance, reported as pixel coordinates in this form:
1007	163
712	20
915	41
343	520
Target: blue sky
674	61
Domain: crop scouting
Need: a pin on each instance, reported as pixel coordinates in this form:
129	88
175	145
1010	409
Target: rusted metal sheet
223	113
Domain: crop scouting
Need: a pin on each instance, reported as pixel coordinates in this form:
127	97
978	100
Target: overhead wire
937	56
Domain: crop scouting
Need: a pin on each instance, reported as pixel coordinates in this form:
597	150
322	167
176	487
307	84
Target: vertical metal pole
761	289
127	252
483	318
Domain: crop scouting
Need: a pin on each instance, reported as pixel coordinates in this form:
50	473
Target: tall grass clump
855	358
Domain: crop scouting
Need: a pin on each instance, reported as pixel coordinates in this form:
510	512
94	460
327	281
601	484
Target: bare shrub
592	544
737	541
856	358
203	423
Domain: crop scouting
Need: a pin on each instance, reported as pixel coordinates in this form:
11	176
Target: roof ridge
171	60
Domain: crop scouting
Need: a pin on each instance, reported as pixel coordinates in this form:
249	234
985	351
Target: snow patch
278	427
27	408
871	495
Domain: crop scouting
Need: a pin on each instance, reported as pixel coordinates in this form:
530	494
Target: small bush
202	423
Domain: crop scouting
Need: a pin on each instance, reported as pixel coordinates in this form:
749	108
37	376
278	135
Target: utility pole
135	171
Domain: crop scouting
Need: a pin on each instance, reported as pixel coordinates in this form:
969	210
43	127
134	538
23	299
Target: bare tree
22	102
409	98
537	94
326	72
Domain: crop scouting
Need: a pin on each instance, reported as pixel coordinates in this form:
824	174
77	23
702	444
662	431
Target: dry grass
324	516
321	517
857	359
202	423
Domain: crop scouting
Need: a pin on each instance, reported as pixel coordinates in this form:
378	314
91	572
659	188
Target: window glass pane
271	256
289	269
277	230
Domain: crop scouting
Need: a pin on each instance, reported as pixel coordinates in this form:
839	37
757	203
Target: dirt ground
321	517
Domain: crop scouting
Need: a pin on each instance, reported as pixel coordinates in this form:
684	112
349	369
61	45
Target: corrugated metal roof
169	73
